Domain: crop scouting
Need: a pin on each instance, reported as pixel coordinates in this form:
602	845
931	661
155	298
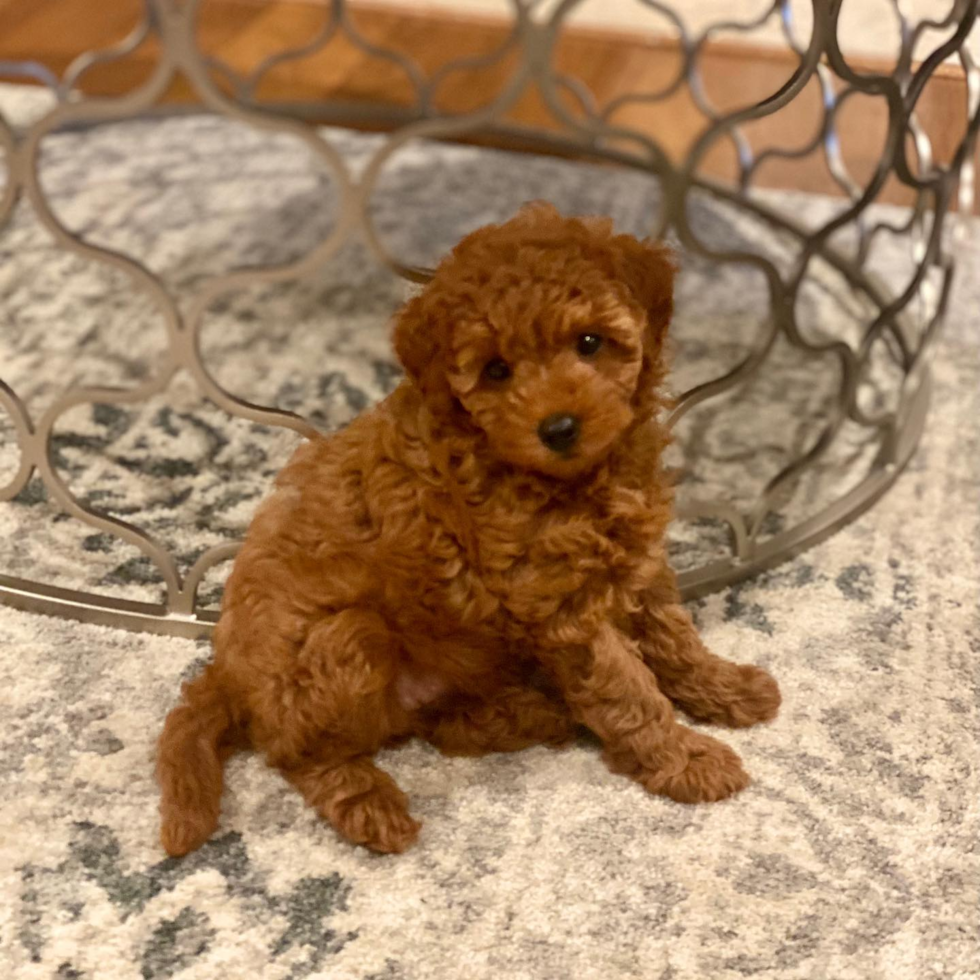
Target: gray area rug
854	854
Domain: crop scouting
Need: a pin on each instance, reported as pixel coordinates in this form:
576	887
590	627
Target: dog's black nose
559	432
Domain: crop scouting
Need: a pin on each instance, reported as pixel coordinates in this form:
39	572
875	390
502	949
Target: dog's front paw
754	698
712	772
735	695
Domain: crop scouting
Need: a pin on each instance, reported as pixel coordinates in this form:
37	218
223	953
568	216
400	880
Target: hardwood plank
56	31
13	13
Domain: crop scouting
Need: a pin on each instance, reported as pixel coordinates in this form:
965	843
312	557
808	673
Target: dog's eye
496	370
588	344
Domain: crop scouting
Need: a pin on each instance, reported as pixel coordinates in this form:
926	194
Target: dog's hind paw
378	820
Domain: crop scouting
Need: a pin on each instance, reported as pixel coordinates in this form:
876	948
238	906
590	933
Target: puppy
479	561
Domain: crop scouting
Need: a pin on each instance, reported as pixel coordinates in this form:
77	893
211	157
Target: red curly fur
436	570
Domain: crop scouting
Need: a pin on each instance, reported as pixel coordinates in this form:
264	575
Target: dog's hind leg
358	799
321	723
514	718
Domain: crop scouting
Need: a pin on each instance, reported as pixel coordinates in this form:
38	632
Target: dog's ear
419	341
647	269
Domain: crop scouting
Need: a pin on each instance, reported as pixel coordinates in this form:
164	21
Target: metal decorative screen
869	345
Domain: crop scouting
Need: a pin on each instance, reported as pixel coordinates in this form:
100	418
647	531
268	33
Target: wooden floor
242	33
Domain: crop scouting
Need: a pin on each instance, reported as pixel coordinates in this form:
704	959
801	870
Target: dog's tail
196	741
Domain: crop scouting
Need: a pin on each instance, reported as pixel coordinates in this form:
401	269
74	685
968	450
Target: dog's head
546	334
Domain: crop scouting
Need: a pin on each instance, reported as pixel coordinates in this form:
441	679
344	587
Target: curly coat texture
443	569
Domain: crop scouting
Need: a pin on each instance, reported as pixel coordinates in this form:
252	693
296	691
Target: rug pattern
853	855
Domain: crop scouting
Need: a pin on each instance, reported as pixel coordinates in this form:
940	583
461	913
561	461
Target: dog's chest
599	554
500	565
494	581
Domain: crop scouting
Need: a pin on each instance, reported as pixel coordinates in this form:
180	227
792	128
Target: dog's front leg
609	689
701	683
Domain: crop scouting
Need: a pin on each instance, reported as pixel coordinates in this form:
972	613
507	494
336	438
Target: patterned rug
853	856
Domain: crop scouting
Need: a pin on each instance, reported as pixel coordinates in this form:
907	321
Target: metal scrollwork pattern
902	322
